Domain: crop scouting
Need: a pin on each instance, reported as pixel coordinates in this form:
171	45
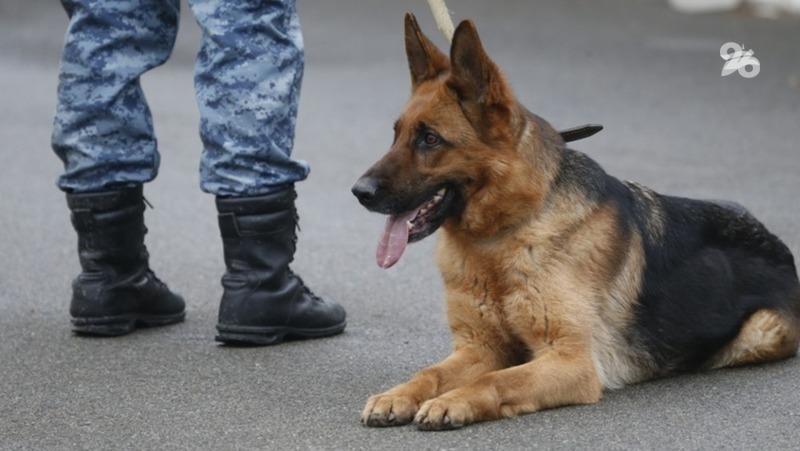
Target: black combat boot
116	291
263	300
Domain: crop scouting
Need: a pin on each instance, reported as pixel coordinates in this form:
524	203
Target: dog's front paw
388	410
443	413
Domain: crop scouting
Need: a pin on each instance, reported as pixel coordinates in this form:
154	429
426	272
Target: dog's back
706	268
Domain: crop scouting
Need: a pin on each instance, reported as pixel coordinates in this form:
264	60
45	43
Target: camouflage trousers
247	80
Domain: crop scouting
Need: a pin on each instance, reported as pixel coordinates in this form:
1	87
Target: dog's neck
500	206
539	144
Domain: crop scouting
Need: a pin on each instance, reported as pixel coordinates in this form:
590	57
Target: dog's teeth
430	204
409	225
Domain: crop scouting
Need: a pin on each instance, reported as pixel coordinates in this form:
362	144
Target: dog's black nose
366	190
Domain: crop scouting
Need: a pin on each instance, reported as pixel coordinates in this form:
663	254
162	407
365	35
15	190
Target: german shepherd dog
561	280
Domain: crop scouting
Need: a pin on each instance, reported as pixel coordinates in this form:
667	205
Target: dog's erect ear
425	61
474	76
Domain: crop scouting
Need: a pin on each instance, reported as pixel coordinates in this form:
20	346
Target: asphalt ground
649	75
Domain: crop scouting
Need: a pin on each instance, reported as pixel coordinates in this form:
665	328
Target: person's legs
103	133
249	72
248	76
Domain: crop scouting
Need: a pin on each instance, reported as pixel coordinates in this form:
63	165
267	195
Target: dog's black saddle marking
580	132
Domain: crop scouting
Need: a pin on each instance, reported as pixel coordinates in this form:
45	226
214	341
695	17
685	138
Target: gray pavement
650	75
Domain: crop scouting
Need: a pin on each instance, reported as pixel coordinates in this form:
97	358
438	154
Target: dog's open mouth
412	226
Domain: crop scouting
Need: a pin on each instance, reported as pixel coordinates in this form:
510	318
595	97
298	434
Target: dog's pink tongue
394	240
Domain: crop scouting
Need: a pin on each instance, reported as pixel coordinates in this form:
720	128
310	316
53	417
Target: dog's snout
366	190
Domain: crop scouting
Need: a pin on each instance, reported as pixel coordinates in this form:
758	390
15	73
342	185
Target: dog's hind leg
765	336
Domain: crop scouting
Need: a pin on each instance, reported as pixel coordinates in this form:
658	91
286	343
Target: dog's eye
430	139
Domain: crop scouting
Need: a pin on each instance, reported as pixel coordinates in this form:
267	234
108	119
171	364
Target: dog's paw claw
382	411
377	420
445	425
436	415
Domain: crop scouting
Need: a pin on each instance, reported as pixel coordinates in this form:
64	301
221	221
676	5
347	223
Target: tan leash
442	17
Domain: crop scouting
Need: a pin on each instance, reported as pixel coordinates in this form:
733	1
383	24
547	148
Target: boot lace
292	274
146	256
303	285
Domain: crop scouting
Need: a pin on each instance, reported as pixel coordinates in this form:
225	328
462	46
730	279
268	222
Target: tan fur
617	362
766	335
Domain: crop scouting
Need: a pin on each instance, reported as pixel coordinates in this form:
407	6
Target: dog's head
454	144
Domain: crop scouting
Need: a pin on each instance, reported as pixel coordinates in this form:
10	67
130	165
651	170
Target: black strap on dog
580	132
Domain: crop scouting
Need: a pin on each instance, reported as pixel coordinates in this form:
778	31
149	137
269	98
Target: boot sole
115	326
242	335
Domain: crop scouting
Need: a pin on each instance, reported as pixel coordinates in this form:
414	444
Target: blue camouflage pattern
247	79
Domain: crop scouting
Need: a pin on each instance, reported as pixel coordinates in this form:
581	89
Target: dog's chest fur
533	298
